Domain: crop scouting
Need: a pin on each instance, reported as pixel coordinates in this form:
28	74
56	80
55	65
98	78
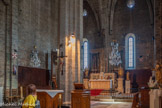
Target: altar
50	98
100	84
101	80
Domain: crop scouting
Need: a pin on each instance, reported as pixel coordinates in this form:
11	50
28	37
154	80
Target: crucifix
61	57
61	62
54	60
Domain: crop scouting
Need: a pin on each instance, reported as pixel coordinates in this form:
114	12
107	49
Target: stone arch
113	6
150	7
4	2
95	14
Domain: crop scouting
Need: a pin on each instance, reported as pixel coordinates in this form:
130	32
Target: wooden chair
16	96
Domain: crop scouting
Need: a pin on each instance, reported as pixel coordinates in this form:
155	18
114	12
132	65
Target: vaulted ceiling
100	7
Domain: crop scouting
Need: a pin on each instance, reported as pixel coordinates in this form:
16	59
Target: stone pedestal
1	96
127	86
120	85
154	98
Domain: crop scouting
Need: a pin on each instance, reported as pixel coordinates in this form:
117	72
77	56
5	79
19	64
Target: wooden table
50	98
100	84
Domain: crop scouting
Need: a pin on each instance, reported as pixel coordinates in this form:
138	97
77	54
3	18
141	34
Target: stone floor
99	104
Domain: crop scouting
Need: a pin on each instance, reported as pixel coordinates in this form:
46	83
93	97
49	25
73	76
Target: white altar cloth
51	93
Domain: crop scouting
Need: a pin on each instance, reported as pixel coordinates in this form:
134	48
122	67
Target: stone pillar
158	30
127	86
120	85
71	22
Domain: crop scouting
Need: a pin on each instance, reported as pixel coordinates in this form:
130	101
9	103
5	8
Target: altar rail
113	95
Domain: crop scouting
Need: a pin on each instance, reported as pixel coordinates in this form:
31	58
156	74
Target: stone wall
137	21
2	42
35	28
35	25
116	19
29	23
92	29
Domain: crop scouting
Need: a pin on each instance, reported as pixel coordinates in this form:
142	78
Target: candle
21	92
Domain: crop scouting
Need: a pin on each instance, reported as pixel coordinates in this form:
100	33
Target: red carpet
96	92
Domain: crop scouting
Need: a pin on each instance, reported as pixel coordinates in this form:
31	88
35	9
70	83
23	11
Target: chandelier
114	56
34	59
130	3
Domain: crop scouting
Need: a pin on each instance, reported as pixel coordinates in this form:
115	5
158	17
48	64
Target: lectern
80	98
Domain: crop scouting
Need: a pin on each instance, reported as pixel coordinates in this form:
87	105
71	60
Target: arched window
85	55
130	54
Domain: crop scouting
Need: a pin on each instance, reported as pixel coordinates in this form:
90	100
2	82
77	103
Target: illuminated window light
130	3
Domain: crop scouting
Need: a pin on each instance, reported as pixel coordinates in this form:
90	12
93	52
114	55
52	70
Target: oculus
85	12
130	3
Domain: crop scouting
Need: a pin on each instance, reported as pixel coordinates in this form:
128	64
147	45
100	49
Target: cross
14	55
61	56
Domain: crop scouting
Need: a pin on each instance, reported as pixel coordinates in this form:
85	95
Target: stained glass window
85	54
130	51
131	58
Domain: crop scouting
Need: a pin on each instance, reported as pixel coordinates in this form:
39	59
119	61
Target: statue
158	70
152	83
127	76
121	72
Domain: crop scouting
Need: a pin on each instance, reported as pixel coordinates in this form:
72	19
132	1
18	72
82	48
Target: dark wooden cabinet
37	76
80	99
30	75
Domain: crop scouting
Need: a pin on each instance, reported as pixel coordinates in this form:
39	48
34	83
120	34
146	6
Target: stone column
71	22
158	30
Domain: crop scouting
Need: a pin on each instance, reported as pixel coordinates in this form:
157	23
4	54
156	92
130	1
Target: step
107	100
123	100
